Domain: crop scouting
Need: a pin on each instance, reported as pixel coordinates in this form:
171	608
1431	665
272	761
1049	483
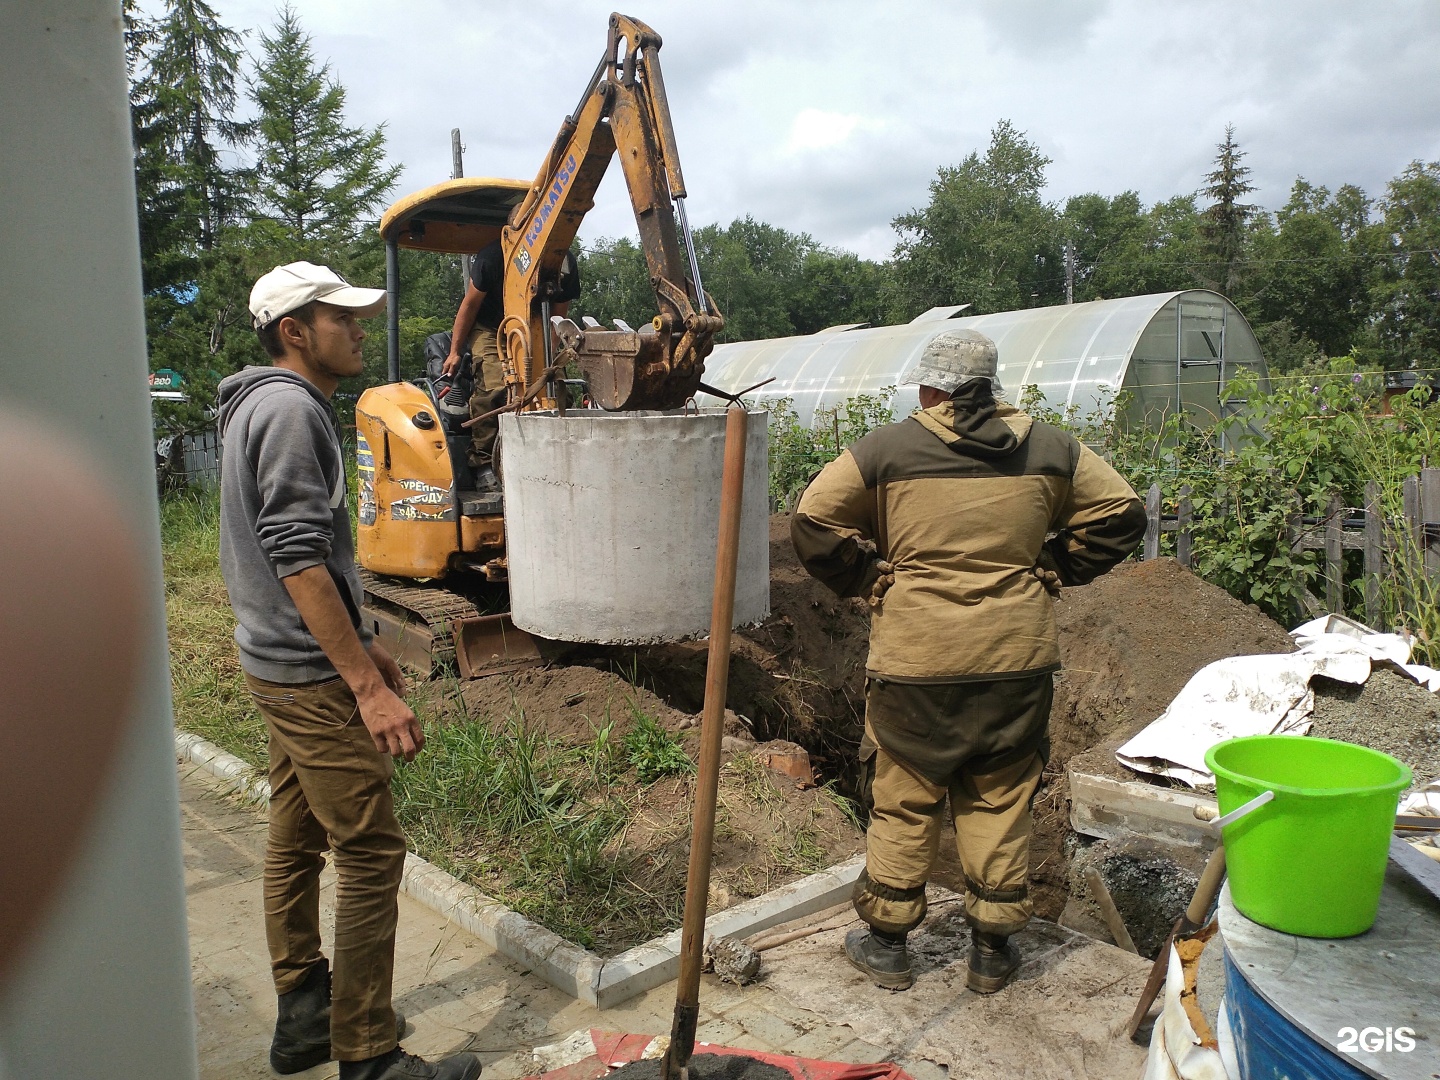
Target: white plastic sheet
1262	695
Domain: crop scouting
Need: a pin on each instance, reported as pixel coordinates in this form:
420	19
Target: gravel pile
1390	713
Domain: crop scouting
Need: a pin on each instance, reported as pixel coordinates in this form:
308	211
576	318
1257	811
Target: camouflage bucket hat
954	358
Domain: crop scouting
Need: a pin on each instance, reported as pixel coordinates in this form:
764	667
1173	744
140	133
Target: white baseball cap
296	284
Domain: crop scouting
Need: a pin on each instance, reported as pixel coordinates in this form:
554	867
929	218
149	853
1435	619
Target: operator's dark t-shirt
487	274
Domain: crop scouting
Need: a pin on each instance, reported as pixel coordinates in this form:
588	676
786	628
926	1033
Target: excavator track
416	623
435	631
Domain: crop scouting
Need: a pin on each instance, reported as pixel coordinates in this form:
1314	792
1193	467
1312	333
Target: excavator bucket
629	369
492	644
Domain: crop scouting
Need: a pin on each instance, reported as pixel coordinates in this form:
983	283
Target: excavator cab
419	518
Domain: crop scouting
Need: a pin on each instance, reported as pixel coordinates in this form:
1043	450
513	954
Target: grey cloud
1120	93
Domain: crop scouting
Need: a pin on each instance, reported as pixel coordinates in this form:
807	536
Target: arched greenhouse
1159	349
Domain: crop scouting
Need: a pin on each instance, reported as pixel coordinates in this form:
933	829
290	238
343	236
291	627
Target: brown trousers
330	789
989	791
489	393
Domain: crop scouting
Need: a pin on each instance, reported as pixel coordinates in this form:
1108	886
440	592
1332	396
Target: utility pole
1069	272
457	170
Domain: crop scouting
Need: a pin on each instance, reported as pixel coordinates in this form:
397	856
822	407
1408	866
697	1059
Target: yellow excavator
431	547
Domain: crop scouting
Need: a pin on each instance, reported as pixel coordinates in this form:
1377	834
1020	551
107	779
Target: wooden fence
1340	529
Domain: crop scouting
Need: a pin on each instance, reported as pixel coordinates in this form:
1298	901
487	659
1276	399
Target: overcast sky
832	116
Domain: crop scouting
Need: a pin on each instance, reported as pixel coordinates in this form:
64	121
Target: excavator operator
478	323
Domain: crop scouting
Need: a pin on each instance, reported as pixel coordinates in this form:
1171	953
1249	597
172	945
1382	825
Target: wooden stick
707	780
1106	904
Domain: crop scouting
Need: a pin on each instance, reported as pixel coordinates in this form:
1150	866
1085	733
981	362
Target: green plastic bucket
1312	860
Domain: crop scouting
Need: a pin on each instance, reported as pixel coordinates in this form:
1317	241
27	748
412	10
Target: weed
654	752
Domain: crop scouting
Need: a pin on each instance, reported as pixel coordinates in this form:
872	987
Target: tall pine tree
1227	216
317	175
185	120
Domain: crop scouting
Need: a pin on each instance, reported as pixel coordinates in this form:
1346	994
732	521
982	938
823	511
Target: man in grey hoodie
329	694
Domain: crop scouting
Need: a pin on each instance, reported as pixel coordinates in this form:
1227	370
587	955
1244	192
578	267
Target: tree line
244	159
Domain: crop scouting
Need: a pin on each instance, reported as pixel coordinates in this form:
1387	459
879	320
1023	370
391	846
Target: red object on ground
613	1049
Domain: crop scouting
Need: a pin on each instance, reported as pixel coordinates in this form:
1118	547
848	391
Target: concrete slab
1108	808
1064	1016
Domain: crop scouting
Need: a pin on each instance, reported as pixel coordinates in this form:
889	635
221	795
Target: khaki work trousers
489	394
989	794
330	789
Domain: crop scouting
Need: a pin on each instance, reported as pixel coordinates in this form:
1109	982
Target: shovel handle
1206	890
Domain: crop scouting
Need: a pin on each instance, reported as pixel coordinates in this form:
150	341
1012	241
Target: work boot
486	479
302	1027
398	1065
992	961
880	955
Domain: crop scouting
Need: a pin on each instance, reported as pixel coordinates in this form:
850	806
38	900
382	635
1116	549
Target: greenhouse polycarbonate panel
1079	356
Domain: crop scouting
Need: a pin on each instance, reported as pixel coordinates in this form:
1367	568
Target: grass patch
535	823
209	694
654	752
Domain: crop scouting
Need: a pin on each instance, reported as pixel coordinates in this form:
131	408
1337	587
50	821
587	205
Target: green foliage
313	172
798	452
986	237
769	282
1405	288
1225	221
653	751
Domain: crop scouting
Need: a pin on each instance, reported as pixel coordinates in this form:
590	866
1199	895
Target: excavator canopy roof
458	216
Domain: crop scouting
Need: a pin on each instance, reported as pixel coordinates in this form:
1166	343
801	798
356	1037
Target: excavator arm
624	111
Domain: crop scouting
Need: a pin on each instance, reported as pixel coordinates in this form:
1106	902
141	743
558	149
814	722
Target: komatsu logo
552	200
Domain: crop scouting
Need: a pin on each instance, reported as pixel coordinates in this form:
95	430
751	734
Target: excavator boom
659	366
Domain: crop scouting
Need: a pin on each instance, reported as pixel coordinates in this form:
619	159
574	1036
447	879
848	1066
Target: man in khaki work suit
330	695
942	519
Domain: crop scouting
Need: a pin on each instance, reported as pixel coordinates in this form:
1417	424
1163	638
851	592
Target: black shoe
881	956
302	1027
993	960
398	1065
486	479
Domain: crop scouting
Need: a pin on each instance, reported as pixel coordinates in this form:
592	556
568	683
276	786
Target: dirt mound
1133	638
569	702
799	676
1128	642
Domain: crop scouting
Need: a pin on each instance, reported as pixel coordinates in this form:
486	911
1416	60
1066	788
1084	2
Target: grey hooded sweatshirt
282	509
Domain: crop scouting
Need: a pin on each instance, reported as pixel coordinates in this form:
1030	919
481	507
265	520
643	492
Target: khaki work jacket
964	521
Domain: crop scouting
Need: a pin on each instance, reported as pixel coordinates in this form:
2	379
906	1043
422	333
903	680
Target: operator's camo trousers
981	747
489	393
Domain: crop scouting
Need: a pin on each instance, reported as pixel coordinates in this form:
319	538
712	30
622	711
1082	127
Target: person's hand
452	363
389	720
1049	578
882	583
388	668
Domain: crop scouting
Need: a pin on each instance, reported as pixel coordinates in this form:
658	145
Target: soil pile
1128	642
1133	638
799	676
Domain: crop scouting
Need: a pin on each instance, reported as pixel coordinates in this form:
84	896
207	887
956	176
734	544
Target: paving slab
1063	1019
